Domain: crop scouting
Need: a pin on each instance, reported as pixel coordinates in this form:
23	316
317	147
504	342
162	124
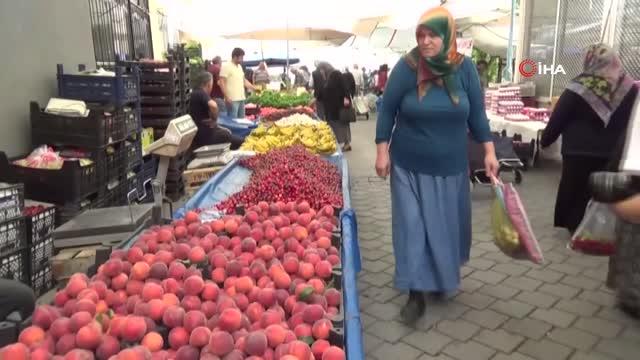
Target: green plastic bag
505	235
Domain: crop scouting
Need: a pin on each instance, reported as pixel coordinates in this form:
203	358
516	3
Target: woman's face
429	43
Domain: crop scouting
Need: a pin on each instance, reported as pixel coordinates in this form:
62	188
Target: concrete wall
36	35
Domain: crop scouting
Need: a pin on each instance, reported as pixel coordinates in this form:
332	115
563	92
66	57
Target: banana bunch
317	137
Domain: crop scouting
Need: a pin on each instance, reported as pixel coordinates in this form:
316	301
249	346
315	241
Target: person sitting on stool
16	296
204	112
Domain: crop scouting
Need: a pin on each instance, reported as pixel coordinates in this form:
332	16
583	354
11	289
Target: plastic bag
43	157
597	232
511	228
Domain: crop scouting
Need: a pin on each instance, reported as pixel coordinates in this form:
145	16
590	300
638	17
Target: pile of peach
253	287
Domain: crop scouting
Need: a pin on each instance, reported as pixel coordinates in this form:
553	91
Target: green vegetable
280	100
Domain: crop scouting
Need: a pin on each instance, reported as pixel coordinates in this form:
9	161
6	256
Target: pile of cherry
288	174
253	287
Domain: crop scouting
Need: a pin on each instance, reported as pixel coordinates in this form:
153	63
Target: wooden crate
75	260
195	178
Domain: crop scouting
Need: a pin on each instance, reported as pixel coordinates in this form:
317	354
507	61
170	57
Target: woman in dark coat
591	115
337	96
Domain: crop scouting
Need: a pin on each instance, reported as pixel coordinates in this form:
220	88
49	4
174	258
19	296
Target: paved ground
505	309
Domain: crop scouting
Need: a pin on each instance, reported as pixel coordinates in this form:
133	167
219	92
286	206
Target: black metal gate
121	29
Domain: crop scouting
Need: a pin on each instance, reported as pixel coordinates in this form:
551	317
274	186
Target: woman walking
337	98
261	76
432	100
591	115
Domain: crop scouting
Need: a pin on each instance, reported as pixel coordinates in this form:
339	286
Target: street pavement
505	308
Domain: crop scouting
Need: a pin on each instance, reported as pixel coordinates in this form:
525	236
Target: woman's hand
383	162
491	165
346	102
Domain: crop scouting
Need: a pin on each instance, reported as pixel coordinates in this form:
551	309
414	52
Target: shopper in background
591	115
298	78
337	96
216	92
261	76
483	69
306	75
233	84
431	102
382	79
204	112
365	80
359	81
319	79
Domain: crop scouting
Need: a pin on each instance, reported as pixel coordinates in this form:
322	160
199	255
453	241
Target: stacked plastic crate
26	243
112	140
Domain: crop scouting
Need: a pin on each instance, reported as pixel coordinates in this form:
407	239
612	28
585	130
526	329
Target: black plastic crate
159	100
150	167
133	123
13	235
41	224
39	254
159	124
11	201
104	125
68	211
42	281
171	111
169	88
15	266
67	184
133	153
118	90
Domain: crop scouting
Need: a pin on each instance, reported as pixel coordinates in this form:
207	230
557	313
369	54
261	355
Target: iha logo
528	68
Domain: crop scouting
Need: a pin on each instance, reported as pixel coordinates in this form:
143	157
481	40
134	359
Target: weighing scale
111	226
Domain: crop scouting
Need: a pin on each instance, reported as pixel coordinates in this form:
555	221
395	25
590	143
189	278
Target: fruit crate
42	281
171	111
70	210
15	266
133	122
167	88
11	201
40	253
67	184
40	221
158	123
13	235
133	153
104	125
197	177
160	100
118	90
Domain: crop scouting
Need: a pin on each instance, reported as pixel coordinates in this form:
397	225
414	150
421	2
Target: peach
165	236
334	353
323	269
119	282
134	328
60	327
218	226
88	337
231	227
319	347
200	337
188	353
109	346
256	343
65	344
270	317
290	265
306	270
15	351
43	317
233	268
161	355
152	291
244	284
173	317
61	298
178	337
140	271
180	232
312	313
79	320
221	343
333	296
191	302
321	329
177	270
153	341
134	287
323	242
275	335
300	350
230	319
194	319
210	291
193	285
159	270
303	330
39	354
79	354
254	312
280	277
318	285
197	255
134	255
75	286
267	252
303	207
218	260
191	217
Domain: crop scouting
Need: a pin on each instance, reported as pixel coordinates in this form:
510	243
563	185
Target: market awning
271	62
294	34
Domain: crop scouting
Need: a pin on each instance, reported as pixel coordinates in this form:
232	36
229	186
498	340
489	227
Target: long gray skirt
341	130
625	265
431	226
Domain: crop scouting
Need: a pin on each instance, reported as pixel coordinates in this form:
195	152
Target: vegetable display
280	100
273	114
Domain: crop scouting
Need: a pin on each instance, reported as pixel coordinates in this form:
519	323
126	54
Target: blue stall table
238	128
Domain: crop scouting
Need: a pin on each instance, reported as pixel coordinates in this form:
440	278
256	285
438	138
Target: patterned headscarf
442	66
603	83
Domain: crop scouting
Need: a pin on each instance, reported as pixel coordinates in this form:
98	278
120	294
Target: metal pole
508	75
555	48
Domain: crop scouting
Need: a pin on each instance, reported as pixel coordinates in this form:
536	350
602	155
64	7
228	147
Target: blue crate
117	90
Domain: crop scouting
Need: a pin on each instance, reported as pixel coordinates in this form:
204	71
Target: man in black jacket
319	79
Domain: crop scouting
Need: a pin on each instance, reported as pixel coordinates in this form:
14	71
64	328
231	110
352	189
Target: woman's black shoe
414	308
